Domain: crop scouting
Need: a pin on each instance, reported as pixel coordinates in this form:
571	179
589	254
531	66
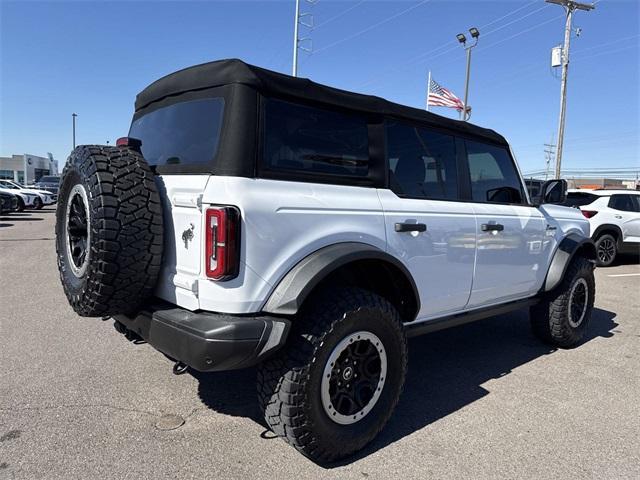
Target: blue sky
92	58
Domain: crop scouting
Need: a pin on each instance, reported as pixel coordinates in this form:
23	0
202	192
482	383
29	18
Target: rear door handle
492	227
410	227
618	216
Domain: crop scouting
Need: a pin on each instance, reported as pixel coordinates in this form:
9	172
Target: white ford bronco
252	218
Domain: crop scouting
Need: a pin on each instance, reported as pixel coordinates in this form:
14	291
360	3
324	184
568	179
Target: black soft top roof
267	82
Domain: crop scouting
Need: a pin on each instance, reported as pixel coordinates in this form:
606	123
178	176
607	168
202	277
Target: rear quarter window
310	140
579	199
183	133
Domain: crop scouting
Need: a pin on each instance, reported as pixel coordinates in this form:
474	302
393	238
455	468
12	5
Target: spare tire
109	230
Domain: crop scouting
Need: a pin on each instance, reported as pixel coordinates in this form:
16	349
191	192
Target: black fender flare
299	282
606	227
569	246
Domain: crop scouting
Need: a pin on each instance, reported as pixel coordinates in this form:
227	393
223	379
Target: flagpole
428	89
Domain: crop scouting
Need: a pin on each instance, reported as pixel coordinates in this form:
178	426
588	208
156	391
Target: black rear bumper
208	341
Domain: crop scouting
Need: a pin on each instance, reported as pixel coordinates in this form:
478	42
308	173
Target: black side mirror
553	191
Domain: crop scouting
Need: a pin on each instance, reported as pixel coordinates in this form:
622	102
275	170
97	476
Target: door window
422	162
624	203
494	177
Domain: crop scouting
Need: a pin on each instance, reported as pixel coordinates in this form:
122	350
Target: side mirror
553	191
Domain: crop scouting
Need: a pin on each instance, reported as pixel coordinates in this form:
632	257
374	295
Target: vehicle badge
187	235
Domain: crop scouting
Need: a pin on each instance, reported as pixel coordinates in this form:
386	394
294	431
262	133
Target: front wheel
37	203
562	318
335	385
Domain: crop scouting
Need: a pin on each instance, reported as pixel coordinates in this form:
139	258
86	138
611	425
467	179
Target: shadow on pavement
625	259
5	224
20	219
446	372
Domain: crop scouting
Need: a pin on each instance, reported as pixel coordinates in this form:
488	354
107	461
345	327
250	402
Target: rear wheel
562	318
20	204
606	250
335	385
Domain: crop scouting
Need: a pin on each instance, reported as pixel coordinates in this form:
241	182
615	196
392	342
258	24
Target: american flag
441	97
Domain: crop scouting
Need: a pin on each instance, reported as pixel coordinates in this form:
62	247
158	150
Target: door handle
410	227
492	227
618	216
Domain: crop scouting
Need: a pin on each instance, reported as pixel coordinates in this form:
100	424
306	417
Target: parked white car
614	216
255	218
25	200
42	197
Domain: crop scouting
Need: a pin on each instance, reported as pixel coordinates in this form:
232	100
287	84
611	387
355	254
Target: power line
509	14
371	27
341	14
426	55
522	32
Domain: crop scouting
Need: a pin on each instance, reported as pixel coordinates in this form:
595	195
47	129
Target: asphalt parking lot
486	400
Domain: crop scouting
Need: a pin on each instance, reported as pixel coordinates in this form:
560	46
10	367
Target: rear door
513	245
626	214
428	229
175	136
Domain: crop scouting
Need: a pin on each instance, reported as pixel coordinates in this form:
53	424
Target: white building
13	167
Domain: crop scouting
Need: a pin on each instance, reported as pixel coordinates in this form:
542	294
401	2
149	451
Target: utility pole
73	116
570	6
549	154
297	41
475	33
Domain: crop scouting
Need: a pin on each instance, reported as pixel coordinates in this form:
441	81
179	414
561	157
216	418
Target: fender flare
569	246
299	282
609	227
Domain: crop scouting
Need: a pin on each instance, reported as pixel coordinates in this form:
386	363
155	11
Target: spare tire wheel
109	230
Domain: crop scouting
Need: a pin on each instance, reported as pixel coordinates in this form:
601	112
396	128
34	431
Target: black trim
563	256
208	341
608	227
429	326
410	227
299	282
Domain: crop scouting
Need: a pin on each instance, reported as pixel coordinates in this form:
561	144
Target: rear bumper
208	341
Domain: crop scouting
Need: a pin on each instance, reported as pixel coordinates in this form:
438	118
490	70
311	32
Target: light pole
475	33
296	21
73	117
569	6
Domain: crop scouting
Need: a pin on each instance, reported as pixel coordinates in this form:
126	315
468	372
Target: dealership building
27	168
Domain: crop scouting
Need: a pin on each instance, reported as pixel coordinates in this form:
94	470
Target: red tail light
128	142
588	213
222	243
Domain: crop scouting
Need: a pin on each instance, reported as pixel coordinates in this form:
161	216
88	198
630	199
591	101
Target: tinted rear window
50	179
185	133
579	199
314	140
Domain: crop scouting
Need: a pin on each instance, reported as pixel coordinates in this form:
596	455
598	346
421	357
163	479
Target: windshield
185	133
49	180
8	184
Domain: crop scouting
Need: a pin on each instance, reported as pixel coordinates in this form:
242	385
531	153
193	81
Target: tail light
589	213
222	243
129	142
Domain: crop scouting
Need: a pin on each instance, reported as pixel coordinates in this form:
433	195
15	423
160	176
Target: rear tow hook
179	368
